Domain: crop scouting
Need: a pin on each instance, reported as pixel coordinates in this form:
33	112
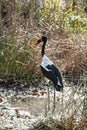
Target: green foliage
73	20
16	57
1	1
85	108
18	6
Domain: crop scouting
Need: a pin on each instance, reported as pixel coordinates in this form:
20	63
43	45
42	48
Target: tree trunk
74	5
7	10
0	20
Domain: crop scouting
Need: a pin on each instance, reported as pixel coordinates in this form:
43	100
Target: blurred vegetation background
64	22
22	22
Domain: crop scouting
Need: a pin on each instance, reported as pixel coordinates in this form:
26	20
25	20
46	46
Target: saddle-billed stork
48	68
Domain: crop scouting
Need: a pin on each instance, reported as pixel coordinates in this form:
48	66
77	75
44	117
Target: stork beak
34	44
37	42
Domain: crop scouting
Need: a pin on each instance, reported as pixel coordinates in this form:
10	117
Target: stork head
42	39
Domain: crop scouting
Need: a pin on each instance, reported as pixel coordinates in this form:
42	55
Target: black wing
53	74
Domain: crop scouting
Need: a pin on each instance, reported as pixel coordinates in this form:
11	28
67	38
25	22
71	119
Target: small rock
1	100
17	113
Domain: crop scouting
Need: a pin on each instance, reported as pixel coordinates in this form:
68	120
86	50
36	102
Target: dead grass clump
58	126
75	60
41	126
65	124
82	125
68	52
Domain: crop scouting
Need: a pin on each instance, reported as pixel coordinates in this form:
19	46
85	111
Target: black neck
43	49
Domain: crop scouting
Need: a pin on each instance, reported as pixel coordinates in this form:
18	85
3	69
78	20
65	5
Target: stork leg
62	107
47	105
54	101
48	98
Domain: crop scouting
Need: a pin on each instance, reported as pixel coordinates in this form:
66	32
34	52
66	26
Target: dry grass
67	51
67	124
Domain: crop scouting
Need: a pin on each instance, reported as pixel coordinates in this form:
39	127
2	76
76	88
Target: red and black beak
37	42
